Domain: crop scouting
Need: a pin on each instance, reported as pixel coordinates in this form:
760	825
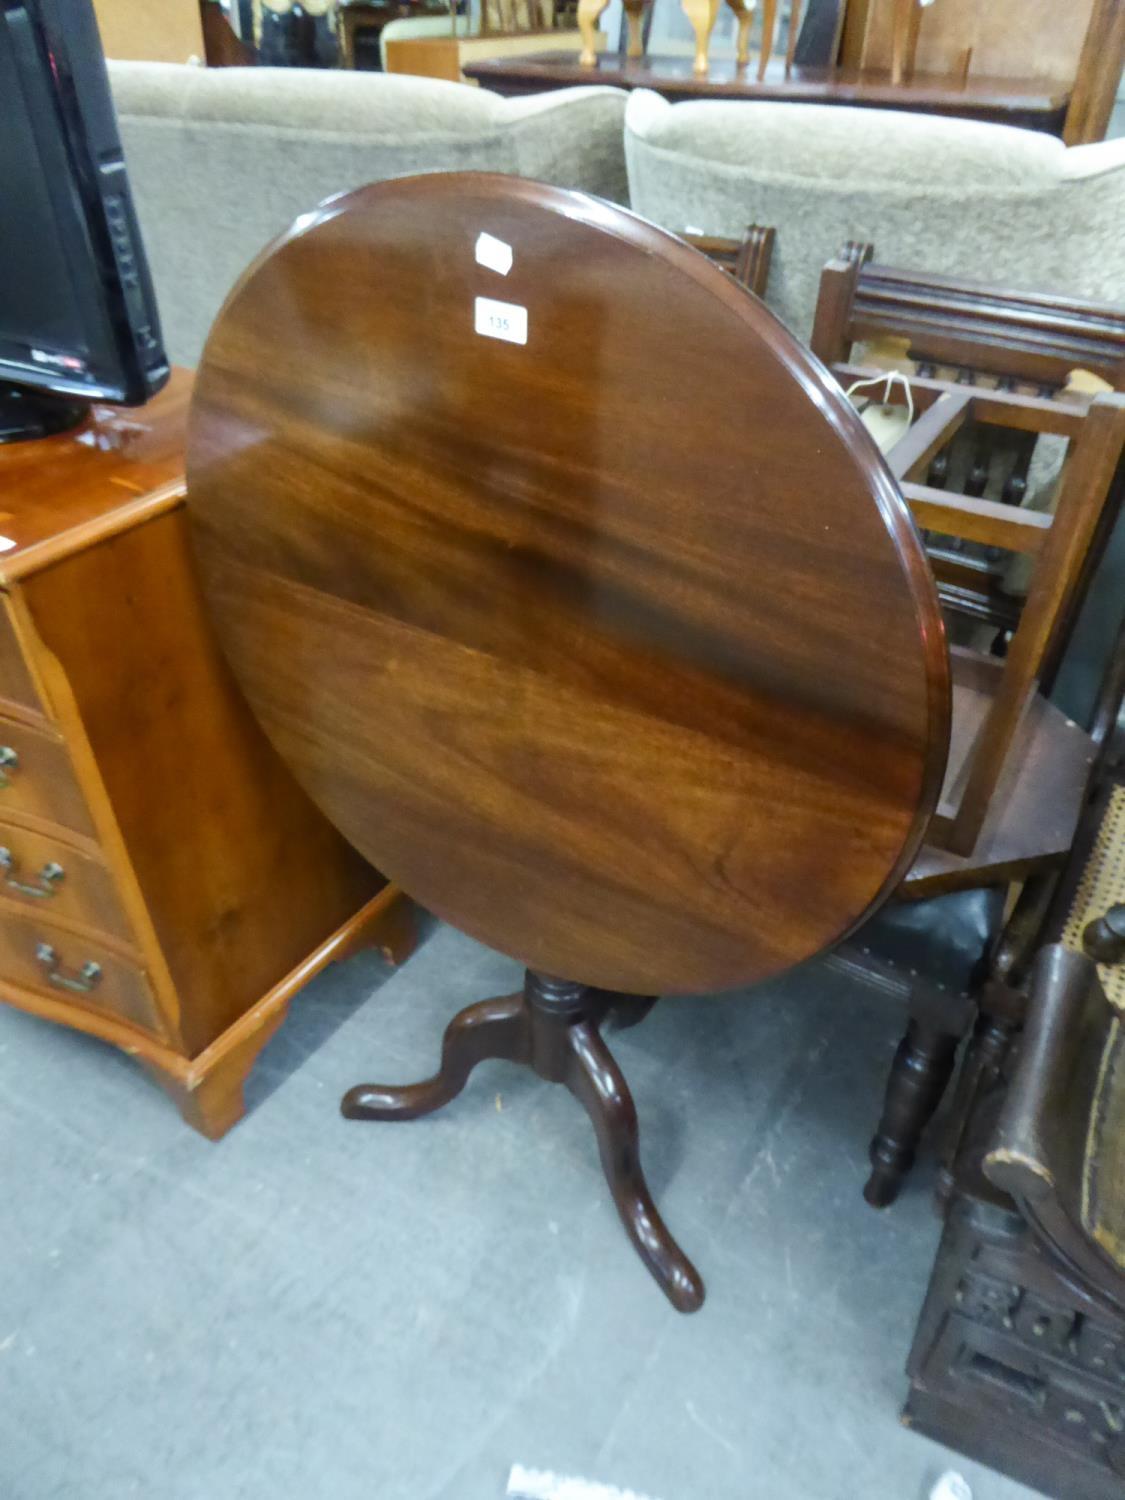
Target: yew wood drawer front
54	879
15	680
36	777
77	969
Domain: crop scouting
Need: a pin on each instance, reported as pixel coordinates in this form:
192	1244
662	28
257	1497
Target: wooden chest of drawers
165	884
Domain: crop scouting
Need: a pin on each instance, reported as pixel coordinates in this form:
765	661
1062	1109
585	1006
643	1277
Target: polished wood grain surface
164	883
57	876
69	490
1032	103
241	875
616	648
19	694
50	958
37	777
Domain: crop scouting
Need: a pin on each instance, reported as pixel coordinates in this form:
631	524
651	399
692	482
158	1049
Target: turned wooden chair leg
701	15
744	15
635	20
769	26
595	1079
983	1063
589	12
919	1077
490	1029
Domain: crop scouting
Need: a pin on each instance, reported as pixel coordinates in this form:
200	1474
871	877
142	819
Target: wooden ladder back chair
1021	337
1028	343
1012	353
989	371
747	259
1059	1147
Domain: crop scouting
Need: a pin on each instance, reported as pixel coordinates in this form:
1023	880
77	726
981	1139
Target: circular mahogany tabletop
615	647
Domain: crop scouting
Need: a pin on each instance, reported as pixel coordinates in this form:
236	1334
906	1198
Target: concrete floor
318	1310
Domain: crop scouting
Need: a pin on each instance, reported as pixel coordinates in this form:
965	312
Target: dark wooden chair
1063	1120
222	47
747	259
971	329
1019	1355
1059	1147
988	364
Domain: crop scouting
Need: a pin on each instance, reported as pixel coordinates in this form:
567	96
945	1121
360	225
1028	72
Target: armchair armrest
1055	1150
1040	1139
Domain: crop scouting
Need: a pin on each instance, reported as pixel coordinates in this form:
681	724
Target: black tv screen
77	312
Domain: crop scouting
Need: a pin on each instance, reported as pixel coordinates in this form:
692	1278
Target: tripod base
552	1027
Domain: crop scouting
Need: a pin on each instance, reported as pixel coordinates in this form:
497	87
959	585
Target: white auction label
500	320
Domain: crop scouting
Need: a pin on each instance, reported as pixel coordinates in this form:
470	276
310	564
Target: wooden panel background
1009	38
150	30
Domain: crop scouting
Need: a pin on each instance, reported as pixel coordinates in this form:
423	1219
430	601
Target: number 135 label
500	320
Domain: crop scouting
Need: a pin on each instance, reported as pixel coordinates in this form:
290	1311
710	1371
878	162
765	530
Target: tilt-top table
575	594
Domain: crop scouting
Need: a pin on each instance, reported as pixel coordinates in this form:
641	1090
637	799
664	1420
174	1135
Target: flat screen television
78	318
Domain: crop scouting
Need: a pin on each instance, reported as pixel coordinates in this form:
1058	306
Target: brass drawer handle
46	883
84	981
9	761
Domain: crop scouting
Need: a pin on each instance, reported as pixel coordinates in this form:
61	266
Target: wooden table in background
452	56
1030	103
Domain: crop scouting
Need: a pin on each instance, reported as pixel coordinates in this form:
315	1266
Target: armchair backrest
960	197
222	160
